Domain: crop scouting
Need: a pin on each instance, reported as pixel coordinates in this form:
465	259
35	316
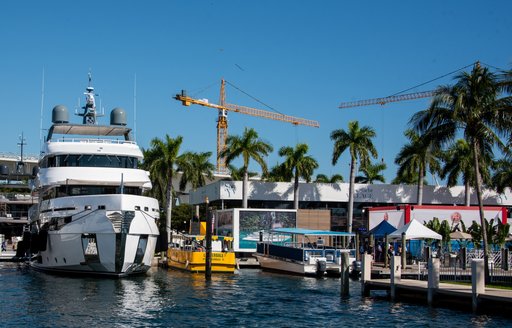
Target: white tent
415	230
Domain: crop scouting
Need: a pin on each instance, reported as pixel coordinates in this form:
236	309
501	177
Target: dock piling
477	281
395	274
434	266
345	264
366	274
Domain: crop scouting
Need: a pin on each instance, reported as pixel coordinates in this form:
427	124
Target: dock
474	297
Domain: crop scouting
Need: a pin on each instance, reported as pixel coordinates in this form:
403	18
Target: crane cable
254	98
437	78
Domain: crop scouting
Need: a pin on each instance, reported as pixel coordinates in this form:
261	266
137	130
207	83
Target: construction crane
222	122
385	100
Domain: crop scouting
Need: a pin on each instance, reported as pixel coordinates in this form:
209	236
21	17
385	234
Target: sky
301	58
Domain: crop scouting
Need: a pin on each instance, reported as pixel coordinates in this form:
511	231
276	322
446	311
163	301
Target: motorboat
306	252
188	252
92	216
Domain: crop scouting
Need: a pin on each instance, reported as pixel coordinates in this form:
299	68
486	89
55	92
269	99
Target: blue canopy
309	232
382	229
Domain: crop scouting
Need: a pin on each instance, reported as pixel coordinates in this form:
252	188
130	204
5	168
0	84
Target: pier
475	297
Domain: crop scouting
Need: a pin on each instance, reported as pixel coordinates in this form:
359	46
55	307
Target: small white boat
305	252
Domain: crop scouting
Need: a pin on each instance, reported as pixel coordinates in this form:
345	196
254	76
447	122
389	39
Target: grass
465	283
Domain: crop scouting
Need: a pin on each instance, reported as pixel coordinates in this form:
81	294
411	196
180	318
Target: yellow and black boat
188	252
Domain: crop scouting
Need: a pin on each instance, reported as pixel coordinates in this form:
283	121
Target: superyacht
92	216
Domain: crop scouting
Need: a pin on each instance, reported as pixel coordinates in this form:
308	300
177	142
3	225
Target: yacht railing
94	140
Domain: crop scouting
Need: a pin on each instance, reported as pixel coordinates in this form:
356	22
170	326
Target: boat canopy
94	130
309	232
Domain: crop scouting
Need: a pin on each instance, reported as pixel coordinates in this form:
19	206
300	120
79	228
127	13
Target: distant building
334	197
15	194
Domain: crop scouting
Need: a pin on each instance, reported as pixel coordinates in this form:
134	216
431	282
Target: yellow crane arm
187	101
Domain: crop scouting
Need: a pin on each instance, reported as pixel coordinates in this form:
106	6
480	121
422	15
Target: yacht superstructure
92	216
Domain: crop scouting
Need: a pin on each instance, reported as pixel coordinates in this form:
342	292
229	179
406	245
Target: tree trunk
351	194
467	194
421	175
296	192
481	208
245	186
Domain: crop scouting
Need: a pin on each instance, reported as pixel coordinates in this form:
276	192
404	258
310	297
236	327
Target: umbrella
460	235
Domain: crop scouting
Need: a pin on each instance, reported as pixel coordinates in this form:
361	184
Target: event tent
415	230
382	229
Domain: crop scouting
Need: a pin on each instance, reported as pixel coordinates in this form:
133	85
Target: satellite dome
60	114
118	116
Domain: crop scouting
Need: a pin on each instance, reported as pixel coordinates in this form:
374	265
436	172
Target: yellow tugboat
188	252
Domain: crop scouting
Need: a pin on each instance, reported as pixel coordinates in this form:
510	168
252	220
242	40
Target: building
333	197
15	194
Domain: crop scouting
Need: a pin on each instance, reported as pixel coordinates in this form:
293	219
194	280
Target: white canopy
415	230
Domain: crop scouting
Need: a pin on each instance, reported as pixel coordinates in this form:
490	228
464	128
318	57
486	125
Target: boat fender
43	238
321	267
161	242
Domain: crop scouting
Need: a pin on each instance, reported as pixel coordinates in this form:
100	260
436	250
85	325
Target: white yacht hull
98	239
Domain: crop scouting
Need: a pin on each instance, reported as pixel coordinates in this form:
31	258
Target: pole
345	263
208	260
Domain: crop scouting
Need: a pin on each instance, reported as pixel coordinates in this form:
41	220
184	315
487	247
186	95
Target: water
165	298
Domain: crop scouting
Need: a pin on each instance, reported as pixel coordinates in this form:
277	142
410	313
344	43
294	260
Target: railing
92	140
454	269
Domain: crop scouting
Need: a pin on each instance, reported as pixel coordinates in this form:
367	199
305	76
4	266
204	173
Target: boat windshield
81	190
89	160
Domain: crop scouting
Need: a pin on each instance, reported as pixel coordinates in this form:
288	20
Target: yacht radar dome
60	114
118	117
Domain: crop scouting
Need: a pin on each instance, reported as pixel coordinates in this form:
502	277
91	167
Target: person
399	251
379	252
391	251
4	248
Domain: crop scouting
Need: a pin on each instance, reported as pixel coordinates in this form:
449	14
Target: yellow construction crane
222	122
385	100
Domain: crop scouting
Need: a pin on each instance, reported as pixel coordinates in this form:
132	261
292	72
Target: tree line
465	133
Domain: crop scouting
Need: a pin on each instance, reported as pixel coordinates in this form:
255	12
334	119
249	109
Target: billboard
455	215
245	225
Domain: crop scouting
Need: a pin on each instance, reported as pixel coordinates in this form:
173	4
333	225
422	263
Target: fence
453	267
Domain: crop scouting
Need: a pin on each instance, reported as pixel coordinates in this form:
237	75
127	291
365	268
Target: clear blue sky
303	58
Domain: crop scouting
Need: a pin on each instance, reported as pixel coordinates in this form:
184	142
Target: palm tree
358	141
458	160
407	178
248	146
278	173
472	106
160	161
419	155
335	178
371	173
237	174
502	177
299	165
195	168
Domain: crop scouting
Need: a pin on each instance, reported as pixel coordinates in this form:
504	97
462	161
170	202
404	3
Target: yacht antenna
41	121
89	113
135	108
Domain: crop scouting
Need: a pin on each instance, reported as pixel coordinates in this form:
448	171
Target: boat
305	252
91	217
188	252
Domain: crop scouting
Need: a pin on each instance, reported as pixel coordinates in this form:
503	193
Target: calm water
164	298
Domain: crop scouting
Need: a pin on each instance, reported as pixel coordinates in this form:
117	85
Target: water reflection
174	299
